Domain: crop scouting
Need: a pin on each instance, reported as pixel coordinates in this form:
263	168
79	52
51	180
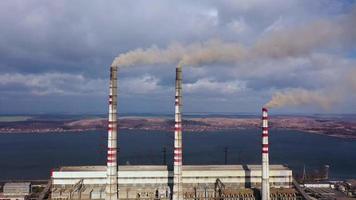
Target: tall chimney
177	181
111	182
265	159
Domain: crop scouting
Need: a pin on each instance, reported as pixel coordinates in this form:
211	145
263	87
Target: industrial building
154	182
25	190
175	181
15	191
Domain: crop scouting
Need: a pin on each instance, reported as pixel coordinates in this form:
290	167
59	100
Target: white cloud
143	85
275	26
212	87
238	26
60	47
54	83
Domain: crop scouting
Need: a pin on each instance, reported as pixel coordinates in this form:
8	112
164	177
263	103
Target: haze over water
32	156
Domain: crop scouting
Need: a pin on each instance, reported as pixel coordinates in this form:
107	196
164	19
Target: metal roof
164	167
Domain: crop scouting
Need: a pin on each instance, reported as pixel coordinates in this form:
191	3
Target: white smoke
297	97
325	98
153	55
192	54
289	42
339	32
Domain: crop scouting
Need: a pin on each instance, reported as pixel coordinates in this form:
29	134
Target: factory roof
83	168
164	167
17	184
16	188
123	167
231	167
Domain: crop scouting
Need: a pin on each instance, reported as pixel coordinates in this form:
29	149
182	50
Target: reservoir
32	156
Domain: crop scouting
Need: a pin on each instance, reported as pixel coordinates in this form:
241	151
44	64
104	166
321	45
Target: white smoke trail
213	51
153	55
292	42
299	41
298	97
193	54
326	97
338	32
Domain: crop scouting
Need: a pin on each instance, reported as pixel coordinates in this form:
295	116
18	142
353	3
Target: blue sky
55	55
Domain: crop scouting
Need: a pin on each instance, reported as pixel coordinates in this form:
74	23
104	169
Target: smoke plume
336	33
298	97
192	54
324	98
339	33
289	42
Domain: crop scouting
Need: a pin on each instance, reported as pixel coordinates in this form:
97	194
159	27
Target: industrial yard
150	189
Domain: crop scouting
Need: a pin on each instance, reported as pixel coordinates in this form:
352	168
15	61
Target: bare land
331	126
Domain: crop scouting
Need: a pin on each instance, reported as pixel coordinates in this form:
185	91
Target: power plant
162	182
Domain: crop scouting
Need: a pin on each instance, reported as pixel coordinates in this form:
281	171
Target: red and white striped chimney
111	189
265	155
177	179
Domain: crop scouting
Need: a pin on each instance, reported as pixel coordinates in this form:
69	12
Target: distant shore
334	127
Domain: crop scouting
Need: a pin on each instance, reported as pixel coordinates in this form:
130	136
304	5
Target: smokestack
111	184
265	155
177	181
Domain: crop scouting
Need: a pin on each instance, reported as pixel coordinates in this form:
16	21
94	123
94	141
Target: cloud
143	85
40	36
238	26
351	79
277	44
54	83
209	86
267	46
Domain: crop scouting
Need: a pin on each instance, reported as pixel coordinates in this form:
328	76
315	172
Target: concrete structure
111	183
150	181
16	191
326	193
178	158
265	157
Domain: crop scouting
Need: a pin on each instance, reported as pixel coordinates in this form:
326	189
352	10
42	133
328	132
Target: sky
301	54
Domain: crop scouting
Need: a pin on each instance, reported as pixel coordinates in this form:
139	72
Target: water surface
32	156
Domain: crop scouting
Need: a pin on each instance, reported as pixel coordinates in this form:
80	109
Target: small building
16	191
